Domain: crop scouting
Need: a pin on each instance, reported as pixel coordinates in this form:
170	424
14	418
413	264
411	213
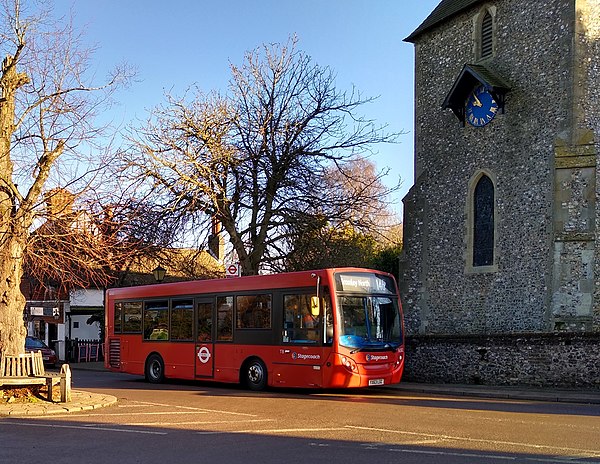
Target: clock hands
479	112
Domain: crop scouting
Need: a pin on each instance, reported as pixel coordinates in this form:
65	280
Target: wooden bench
28	369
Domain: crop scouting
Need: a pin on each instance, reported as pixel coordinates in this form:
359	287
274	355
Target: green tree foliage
386	259
323	246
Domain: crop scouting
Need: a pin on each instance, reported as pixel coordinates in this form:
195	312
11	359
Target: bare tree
352	227
84	243
47	114
259	157
359	199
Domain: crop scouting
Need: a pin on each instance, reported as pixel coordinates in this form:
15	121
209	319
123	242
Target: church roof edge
445	10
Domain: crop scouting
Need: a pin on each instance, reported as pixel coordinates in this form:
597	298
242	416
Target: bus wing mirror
314	306
314	300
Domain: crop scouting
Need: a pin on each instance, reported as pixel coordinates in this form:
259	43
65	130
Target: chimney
59	203
216	246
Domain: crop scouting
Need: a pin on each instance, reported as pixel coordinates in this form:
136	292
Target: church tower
500	272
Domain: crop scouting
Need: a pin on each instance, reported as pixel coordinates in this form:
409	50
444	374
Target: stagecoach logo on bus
302	356
204	354
377	357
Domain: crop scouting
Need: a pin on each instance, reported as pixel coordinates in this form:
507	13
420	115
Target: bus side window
300	325
156	320
118	317
132	317
225	318
204	322
182	320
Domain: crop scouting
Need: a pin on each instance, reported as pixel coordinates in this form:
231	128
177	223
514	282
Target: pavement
82	400
520	393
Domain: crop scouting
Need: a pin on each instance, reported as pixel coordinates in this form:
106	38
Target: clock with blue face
481	107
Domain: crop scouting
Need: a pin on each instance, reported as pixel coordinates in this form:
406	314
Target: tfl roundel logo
204	354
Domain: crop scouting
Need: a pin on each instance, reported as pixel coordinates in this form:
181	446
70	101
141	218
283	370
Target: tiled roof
487	76
445	10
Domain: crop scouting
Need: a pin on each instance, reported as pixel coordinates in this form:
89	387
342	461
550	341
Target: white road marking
486	457
166	424
267	431
580	459
116	414
217	411
84	427
587	453
158	413
545	459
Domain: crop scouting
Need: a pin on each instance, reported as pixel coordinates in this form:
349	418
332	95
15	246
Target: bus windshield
369	323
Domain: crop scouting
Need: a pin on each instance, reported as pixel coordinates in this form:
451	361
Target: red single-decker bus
328	328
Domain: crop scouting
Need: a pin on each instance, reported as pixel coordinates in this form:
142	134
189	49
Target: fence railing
79	350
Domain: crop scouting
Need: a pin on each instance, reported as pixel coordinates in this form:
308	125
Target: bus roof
249	283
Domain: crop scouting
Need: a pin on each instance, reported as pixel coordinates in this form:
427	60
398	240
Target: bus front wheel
155	369
256	375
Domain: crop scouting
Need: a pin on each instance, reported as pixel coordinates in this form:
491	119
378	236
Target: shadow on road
108	380
93	443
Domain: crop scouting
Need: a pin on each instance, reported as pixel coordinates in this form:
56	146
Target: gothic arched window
483	222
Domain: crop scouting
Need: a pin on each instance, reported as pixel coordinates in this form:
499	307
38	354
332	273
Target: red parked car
48	354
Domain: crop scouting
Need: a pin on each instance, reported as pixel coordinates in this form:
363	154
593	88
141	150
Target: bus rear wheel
256	375
155	369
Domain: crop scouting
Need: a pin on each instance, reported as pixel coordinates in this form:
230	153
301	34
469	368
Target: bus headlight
349	364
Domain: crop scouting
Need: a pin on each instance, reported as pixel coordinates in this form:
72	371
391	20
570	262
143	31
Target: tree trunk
13	235
12	301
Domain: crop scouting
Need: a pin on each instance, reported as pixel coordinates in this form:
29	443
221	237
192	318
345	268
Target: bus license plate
375	382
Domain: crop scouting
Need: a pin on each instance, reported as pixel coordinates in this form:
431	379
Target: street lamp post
159	273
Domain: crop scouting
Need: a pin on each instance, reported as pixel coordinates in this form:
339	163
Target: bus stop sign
232	270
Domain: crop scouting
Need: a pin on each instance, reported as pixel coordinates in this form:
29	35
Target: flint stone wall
563	360
541	156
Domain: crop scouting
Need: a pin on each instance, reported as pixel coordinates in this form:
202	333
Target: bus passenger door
204	337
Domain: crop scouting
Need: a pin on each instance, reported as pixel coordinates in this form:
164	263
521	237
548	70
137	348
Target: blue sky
175	44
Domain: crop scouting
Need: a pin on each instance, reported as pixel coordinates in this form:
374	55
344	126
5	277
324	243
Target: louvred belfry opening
487	39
